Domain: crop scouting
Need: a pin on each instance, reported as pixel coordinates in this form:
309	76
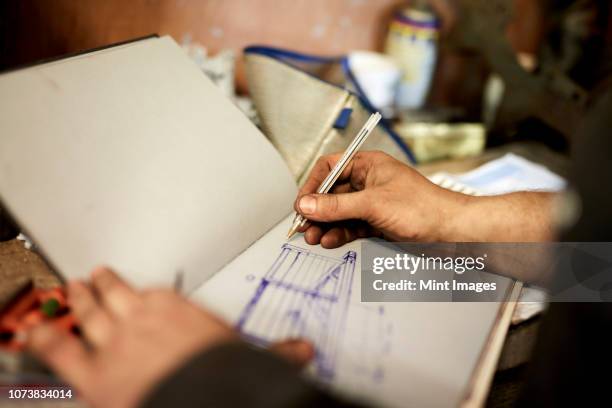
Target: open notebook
129	156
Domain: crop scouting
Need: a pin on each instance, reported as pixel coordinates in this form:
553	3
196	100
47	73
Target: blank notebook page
131	157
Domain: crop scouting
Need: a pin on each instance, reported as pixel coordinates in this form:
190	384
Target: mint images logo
467	271
431	272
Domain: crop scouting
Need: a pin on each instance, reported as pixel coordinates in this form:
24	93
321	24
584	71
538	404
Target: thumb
295	351
334	207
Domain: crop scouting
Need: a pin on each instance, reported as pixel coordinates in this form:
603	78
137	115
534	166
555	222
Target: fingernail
308	205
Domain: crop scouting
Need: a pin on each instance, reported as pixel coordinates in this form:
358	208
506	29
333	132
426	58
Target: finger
337	236
335	207
359	229
313	234
321	170
120	299
340	234
342	188
318	173
64	354
94	322
305	226
296	351
356	171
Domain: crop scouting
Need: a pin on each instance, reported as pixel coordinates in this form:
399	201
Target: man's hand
134	340
377	195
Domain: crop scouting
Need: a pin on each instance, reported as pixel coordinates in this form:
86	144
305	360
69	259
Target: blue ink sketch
302	295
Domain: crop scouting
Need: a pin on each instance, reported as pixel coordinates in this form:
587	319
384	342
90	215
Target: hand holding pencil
377	195
300	221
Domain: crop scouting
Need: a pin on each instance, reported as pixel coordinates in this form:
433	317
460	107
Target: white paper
395	354
504	175
132	158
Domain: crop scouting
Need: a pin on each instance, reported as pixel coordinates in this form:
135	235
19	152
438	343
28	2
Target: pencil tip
291	233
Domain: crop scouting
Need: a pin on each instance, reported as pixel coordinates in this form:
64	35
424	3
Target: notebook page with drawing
391	354
131	157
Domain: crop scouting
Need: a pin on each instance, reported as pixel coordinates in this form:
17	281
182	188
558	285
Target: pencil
299	221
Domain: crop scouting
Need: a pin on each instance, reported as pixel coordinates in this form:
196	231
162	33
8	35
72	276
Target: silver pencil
299	221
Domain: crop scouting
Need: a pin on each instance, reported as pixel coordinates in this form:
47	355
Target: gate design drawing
303	294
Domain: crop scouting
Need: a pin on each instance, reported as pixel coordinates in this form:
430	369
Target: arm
378	195
155	348
514	217
234	375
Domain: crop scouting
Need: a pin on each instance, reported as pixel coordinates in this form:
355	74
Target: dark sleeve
236	375
571	362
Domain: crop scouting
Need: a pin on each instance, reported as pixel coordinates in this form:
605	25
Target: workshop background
33	29
560	35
